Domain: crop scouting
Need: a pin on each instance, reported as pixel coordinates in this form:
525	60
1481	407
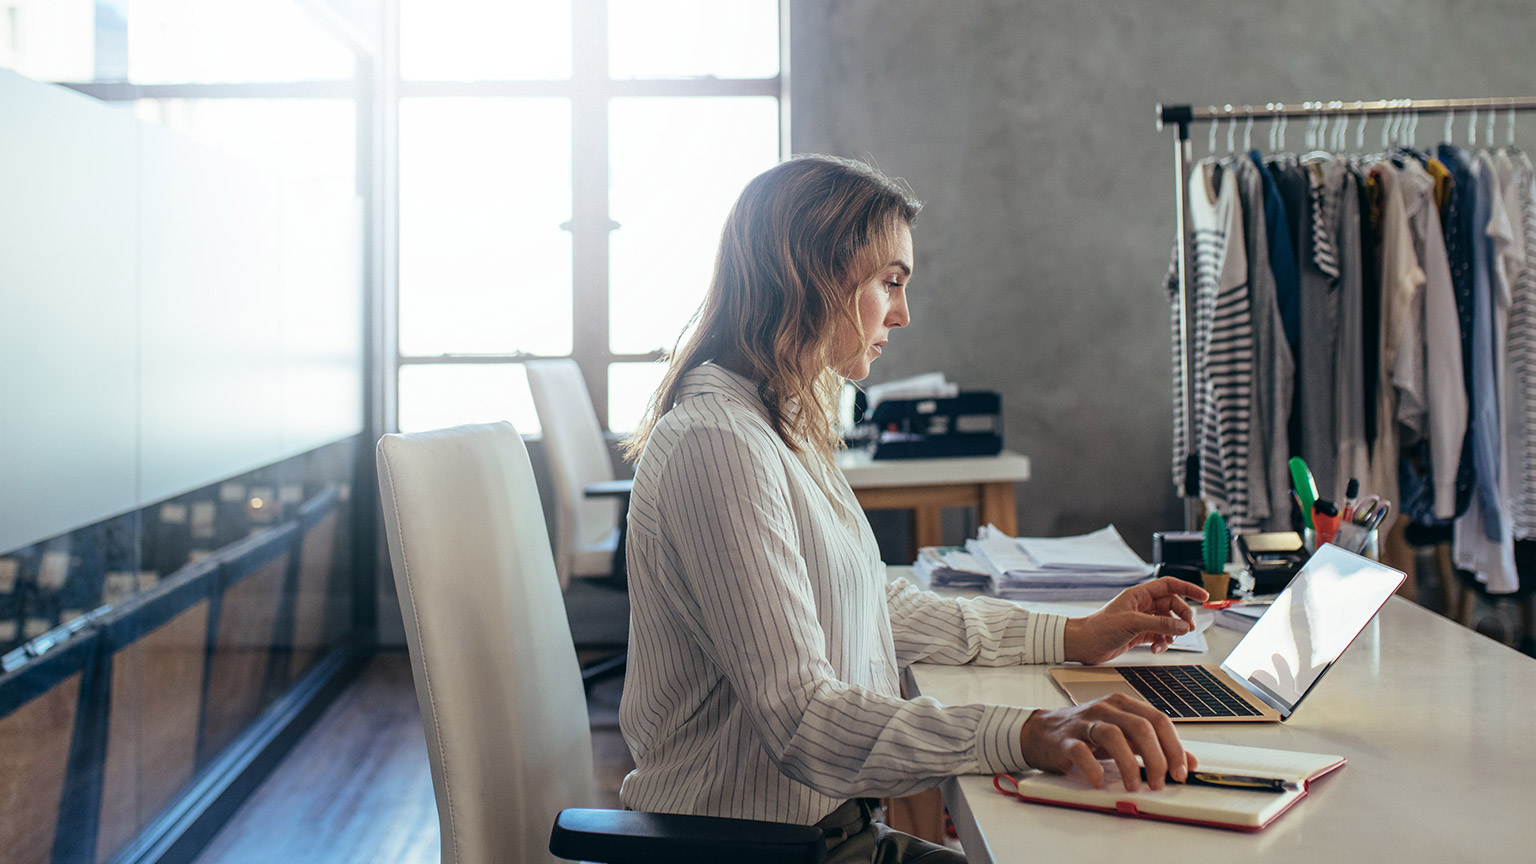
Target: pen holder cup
1358	540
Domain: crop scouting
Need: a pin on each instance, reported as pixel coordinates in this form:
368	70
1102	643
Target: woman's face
881	305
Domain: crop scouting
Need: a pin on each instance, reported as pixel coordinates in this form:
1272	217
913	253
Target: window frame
589	91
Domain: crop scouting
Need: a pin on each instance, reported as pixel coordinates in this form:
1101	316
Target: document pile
950	567
1091	567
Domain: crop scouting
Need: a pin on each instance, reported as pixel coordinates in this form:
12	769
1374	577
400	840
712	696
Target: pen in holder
1359	539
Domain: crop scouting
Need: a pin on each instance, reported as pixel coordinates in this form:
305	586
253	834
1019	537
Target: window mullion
590	223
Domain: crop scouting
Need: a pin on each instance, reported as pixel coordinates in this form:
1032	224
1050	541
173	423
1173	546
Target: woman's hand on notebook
1116	727
1152	613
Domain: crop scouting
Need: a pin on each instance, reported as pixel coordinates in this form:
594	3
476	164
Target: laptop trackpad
1087	691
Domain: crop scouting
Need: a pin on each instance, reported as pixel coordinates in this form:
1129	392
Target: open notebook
1236	809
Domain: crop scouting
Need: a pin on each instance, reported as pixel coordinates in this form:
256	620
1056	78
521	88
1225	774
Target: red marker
1325	520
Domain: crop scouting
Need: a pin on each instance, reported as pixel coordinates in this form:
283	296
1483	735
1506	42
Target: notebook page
1285	764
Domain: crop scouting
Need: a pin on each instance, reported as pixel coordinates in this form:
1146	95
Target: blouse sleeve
986	631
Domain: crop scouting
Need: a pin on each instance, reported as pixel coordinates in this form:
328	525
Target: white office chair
587	525
496	675
591	509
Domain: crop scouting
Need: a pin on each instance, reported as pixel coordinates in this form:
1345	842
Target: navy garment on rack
1282	255
1370	298
1459	240
1291	182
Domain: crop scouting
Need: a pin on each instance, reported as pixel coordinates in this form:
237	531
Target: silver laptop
1323	609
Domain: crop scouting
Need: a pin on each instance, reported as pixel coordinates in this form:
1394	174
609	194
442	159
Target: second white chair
586	527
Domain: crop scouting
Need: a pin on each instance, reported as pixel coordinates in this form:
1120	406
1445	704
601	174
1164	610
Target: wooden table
1435	720
927	486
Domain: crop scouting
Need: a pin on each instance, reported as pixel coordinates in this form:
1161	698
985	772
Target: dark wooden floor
357	787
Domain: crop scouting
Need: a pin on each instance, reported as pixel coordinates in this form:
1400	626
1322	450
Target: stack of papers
950	567
1094	566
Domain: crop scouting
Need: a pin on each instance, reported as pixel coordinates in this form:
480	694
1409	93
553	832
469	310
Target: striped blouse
765	641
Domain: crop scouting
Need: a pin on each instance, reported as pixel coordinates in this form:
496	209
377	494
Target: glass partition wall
188	257
246	237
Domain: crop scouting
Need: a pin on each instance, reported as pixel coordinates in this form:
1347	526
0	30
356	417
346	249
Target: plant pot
1216	584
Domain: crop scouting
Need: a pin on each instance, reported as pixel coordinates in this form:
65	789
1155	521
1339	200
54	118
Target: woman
764	638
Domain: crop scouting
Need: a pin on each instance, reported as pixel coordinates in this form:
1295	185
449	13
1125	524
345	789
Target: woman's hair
798	243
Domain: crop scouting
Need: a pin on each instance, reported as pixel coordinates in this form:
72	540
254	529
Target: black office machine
1272	559
967	424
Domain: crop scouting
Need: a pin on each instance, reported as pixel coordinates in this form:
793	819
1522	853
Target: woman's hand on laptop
1116	727
1152	613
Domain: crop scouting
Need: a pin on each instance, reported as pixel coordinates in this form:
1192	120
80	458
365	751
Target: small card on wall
203	513
117	587
54	570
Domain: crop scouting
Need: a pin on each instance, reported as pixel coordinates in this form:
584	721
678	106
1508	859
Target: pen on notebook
1232	781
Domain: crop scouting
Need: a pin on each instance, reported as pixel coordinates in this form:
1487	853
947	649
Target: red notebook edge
1130	810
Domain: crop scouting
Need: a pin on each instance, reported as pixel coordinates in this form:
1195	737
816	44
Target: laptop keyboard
1186	691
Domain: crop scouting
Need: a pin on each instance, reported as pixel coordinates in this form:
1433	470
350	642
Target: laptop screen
1314	619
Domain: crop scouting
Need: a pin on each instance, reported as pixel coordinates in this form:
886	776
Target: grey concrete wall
1028	129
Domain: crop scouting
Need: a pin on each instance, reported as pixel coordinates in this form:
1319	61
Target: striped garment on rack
1222	333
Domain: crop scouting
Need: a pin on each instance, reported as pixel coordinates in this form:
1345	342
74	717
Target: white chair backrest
491	653
578	455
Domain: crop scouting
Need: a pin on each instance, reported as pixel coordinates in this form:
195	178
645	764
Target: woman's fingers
1116	744
1079	755
1133	727
1117	728
1178	607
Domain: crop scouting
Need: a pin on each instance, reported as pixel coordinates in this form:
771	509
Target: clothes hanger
1248	130
1316	126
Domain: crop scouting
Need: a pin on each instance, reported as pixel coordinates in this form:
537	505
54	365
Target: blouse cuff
1046	637
999	744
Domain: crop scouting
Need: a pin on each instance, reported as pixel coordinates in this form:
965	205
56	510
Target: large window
565	167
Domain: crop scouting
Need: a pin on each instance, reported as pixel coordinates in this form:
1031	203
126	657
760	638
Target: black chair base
602	670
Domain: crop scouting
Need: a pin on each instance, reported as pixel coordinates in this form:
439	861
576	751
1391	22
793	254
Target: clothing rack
1181	117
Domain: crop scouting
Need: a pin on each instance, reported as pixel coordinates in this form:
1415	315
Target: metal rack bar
1183	115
